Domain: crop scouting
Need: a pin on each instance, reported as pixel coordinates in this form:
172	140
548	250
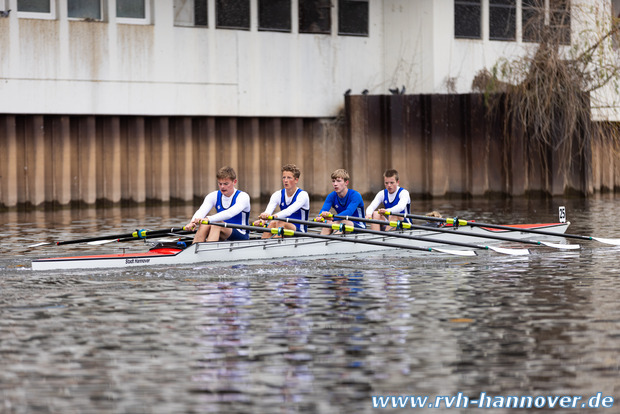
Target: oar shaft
341	238
438	230
138	234
461	222
382	233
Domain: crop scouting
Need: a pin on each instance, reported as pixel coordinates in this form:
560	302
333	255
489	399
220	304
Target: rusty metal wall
441	145
446	145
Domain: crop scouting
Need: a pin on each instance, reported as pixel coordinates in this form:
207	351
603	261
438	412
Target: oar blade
512	252
561	246
615	242
99	242
39	244
455	252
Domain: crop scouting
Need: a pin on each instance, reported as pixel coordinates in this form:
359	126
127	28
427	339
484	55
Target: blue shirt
350	205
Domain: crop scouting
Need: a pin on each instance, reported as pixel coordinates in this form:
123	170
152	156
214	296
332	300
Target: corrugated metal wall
441	145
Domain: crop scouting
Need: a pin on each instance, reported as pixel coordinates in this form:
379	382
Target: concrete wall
65	66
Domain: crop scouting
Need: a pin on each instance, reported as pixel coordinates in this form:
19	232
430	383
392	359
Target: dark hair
391	173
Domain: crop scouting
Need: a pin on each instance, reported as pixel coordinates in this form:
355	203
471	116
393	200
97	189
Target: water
320	335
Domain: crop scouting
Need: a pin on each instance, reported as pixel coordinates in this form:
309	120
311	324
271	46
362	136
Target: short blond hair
226	172
341	173
292	168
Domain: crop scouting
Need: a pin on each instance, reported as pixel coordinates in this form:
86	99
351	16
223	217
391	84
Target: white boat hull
287	248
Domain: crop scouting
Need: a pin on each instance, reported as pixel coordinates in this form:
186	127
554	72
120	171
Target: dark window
131	9
467	17
233	14
34	6
559	20
84	9
533	19
200	13
502	20
353	17
315	16
274	15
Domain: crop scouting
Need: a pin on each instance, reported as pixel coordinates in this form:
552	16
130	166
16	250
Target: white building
285	58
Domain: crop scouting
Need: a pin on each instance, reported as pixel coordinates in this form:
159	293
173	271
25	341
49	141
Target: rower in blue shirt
345	201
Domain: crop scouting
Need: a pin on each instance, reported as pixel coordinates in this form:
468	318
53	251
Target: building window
133	11
37	9
274	15
190	13
233	14
84	9
353	17
467	19
532	19
502	20
559	20
315	16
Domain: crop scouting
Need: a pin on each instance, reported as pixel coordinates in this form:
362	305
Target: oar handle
334	226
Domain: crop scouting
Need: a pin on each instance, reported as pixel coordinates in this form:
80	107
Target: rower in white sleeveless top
394	199
293	202
231	206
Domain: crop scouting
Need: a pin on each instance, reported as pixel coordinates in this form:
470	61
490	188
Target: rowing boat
164	254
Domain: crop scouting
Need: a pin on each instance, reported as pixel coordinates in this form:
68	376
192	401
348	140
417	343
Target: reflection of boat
289	247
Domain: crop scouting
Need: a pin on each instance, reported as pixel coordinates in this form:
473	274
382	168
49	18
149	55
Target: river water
313	336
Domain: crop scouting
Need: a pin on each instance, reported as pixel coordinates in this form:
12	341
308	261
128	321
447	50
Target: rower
231	205
394	198
346	202
293	201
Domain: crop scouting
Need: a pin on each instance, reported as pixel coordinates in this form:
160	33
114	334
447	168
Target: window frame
102	11
340	9
232	27
146	20
261	28
501	6
51	15
177	23
470	3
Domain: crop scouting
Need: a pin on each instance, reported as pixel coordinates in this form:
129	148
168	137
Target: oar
403	225
281	231
461	222
514	252
148	236
138	234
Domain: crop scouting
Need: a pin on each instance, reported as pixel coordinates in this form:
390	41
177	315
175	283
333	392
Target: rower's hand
259	223
263	216
381	211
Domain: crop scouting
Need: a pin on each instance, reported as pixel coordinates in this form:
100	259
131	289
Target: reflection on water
319	335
